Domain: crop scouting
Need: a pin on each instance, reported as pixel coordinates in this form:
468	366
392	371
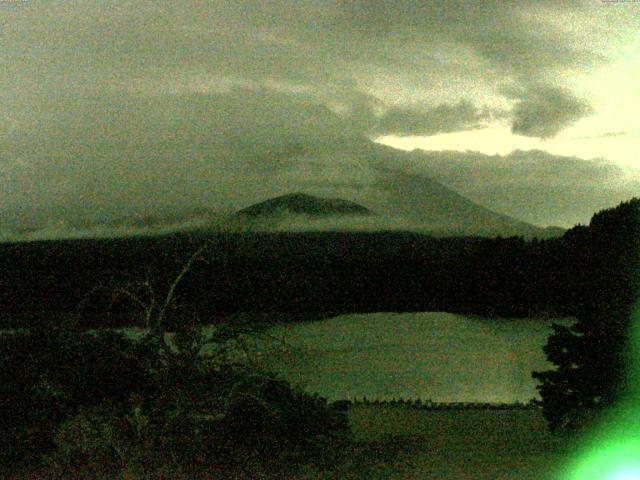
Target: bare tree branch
159	327
121	291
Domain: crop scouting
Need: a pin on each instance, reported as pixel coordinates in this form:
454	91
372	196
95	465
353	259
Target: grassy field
395	442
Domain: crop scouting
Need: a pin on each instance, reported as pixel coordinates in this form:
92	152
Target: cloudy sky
123	107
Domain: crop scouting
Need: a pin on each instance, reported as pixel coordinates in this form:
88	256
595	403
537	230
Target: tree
184	399
592	357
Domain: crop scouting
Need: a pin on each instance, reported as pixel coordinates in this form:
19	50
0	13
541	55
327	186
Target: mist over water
427	355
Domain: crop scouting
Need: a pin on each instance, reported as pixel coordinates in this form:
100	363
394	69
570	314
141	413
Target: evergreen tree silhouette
602	263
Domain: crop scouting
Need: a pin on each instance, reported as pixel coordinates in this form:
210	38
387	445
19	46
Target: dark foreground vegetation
94	404
596	359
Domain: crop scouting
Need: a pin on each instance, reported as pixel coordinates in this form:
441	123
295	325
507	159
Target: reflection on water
430	355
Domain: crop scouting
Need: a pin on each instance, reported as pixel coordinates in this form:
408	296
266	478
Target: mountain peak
304	204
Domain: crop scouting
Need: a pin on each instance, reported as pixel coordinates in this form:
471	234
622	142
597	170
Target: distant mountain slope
303	204
406	202
381	178
440	210
361	187
535	186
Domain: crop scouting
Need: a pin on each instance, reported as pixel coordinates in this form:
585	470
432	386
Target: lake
429	355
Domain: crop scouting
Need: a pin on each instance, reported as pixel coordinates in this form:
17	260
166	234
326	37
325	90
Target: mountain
385	181
407	202
534	186
363	186
303	204
438	210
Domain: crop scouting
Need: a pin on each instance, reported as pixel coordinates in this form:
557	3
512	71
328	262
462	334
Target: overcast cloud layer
114	107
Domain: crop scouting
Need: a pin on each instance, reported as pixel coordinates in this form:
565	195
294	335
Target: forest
313	274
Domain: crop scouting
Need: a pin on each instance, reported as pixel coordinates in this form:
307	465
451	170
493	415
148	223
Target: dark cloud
97	46
443	118
544	111
508	35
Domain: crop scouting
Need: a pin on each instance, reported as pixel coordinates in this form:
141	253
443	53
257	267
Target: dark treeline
594	358
430	405
321	273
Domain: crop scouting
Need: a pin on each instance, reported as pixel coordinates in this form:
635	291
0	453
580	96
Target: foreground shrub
47	377
274	429
94	405
97	405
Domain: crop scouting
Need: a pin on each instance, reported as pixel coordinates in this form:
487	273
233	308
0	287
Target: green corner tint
612	450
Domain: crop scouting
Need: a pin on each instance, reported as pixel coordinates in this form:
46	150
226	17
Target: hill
303	204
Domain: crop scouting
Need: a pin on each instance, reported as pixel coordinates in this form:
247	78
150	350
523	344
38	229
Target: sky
115	108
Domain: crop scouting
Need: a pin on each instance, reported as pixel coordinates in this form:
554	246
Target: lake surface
431	355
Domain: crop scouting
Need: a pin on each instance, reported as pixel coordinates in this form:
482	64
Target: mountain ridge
406	202
305	204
